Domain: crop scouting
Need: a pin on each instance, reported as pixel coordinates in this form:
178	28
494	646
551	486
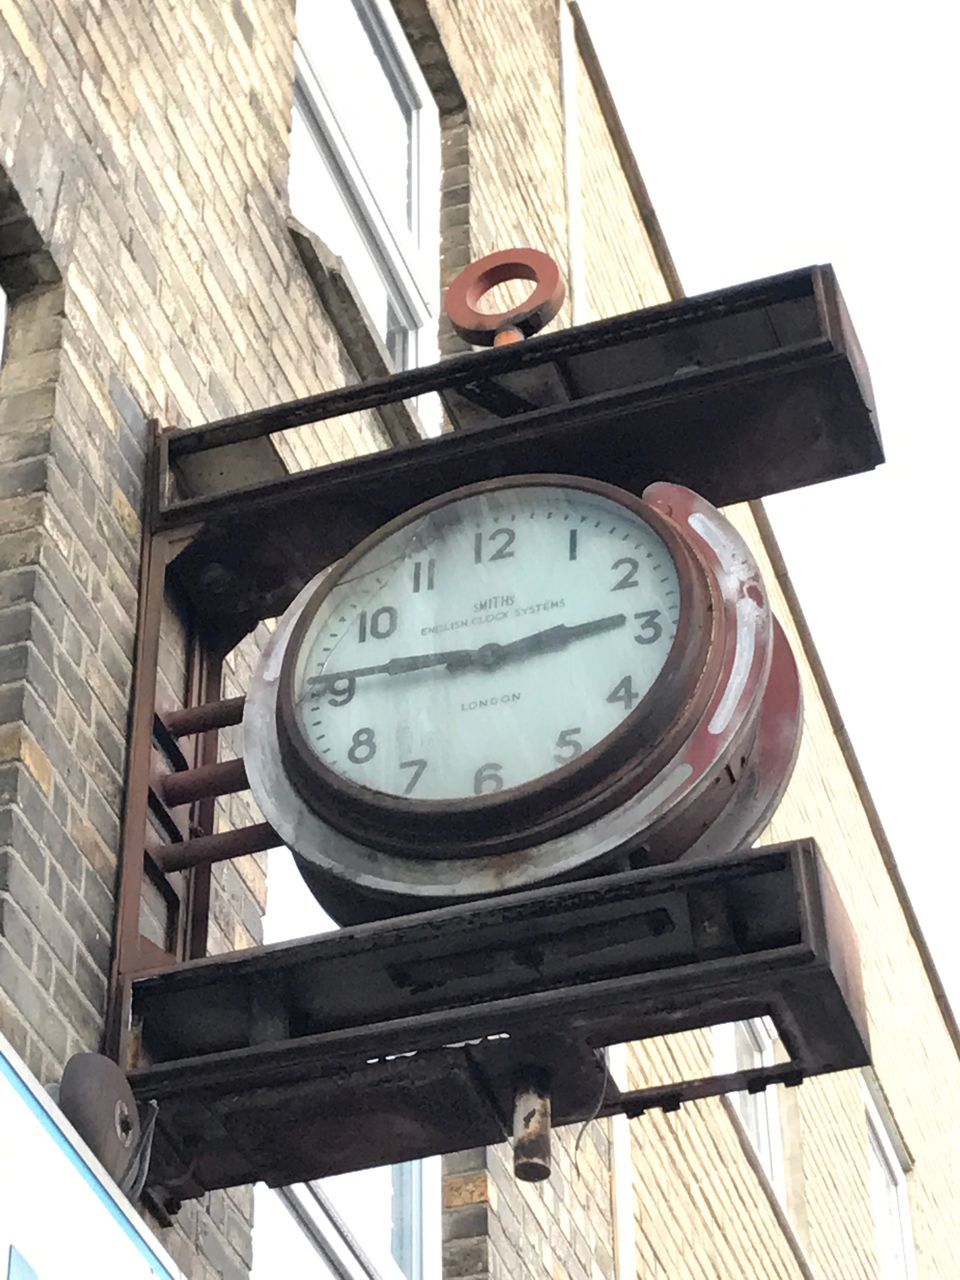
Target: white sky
772	137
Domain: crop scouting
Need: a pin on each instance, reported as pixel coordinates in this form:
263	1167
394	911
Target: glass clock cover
481	645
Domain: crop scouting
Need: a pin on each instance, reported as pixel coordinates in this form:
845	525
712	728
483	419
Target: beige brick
18	743
13	17
466	1188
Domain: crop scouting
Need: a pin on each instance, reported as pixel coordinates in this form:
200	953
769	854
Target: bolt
124	1123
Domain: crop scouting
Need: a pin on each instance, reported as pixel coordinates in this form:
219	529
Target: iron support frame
738	394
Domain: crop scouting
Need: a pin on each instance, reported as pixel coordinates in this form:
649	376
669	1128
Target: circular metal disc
96	1098
481	327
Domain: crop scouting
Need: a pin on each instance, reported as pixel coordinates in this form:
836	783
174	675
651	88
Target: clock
491	662
517	681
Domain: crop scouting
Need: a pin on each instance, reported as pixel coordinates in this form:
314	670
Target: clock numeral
572	545
630	578
624	692
363	747
341	691
487	780
383	623
505	537
568	742
423	580
650	628
418	767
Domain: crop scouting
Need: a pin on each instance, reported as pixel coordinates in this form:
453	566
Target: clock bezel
558	801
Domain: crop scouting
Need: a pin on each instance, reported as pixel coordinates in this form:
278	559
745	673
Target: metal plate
97	1100
388	1041
738	394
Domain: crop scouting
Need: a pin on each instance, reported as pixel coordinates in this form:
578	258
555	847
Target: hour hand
395	667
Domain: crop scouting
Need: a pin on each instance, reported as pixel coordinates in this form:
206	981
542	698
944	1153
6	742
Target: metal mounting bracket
391	1041
738	393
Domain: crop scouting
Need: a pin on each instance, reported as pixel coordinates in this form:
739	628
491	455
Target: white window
365	165
888	1196
376	1224
303	1231
744	1046
621	1168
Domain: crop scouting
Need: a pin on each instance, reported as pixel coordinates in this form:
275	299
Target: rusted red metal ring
481	327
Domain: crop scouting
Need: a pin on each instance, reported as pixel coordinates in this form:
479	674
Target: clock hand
487	656
492	655
395	667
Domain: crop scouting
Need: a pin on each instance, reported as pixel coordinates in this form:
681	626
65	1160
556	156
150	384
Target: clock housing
693	767
540	603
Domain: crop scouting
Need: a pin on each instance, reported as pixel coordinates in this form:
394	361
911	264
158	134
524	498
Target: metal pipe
153	564
531	1128
187	785
211	715
219	848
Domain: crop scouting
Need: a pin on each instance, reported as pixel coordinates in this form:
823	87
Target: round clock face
481	645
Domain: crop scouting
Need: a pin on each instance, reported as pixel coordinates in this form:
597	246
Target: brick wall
143	150
145	249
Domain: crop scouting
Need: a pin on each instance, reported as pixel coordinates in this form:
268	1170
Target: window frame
407	257
314	1213
621	1170
885	1151
767	1145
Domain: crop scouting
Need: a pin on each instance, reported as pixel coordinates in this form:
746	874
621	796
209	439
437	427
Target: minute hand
488	656
547	641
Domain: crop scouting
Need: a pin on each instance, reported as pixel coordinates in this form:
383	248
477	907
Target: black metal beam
492	363
736	394
386	1042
